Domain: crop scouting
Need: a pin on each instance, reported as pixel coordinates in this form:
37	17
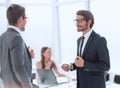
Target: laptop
48	78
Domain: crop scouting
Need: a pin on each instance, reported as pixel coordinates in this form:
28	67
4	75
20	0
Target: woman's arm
56	70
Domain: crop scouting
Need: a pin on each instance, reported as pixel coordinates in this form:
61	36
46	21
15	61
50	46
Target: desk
64	85
73	85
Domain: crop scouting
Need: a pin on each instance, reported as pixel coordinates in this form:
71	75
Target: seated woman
46	66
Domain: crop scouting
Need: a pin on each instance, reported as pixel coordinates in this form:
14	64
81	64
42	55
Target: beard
82	28
22	28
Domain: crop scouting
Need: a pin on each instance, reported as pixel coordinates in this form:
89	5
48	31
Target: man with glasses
15	57
92	58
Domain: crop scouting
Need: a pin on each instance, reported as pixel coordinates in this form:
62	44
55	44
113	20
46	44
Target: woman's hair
43	58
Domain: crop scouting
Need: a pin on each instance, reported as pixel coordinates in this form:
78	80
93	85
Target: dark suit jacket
96	62
15	60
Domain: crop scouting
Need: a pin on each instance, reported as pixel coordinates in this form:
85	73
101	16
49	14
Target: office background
50	23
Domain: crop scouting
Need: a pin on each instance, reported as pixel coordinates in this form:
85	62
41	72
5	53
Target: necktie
81	45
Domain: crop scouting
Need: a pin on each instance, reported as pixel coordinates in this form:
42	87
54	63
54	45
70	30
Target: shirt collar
88	34
15	28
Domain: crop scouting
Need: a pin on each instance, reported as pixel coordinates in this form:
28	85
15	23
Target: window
40	28
2	1
32	1
68	31
3	21
38	31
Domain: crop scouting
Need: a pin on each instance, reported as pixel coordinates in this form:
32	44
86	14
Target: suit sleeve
103	62
17	59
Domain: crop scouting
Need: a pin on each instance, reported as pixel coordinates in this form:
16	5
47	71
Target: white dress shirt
86	37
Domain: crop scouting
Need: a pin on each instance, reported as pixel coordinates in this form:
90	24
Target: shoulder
13	33
53	62
96	35
15	41
99	38
38	65
14	36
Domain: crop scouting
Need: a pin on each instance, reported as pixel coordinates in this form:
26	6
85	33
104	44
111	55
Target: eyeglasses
78	20
24	17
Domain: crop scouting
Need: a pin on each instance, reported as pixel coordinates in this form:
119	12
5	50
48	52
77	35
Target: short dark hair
87	16
14	11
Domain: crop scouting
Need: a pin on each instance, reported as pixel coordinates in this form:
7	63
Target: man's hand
66	67
79	62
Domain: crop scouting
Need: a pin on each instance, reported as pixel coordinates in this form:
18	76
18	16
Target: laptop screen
47	76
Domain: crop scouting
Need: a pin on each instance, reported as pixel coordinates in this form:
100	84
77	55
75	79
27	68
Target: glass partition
68	31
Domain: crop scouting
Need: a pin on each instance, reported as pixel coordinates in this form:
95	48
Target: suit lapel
88	43
28	52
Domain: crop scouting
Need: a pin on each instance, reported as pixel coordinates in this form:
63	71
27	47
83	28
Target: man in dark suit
15	58
92	54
